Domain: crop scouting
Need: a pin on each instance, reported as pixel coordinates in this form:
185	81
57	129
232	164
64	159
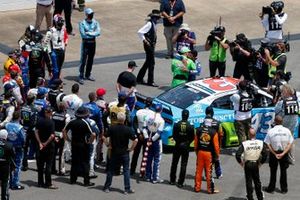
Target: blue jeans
154	155
15	175
124	160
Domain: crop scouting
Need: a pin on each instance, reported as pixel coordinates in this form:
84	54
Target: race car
195	96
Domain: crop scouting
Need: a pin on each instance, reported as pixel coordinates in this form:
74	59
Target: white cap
3	134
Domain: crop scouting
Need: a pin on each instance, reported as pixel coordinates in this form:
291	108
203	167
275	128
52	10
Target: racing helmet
29	29
220	28
277	6
37	37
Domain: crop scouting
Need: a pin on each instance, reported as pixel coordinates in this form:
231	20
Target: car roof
214	85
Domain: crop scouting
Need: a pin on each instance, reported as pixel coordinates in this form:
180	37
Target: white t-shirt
142	116
72	103
279	137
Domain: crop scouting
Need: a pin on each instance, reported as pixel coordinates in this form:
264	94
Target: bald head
278	120
252	133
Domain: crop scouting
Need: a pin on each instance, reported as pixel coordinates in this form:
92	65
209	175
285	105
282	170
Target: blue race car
197	95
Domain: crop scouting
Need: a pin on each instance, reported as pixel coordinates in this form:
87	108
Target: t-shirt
279	137
45	128
172	10
120	135
127	79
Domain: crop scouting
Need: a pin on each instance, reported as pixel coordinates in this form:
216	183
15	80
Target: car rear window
182	96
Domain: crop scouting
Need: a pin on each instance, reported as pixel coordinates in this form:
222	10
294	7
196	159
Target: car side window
223	103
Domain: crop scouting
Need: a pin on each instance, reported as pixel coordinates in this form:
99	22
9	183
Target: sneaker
131	191
90	78
93	175
214	192
157	181
106	190
17	187
89	184
172	183
179	185
80	81
152	84
268	190
52	187
219	177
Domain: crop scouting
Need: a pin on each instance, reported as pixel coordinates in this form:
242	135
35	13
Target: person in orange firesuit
206	145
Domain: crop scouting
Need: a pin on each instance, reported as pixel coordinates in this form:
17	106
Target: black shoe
179	185
152	84
18	187
52	187
131	191
283	191
71	33
81	81
268	190
142	82
172	182
89	184
90	78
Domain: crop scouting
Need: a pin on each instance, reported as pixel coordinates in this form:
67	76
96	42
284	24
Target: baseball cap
3	134
42	91
184	50
122	94
158	107
100	92
8	87
132	64
88	11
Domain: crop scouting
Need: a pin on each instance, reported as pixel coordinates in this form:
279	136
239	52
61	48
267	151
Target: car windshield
182	96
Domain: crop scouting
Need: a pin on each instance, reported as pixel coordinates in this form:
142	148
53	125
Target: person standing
43	9
138	123
16	136
184	38
56	40
148	35
72	101
120	135
217	44
45	134
66	6
89	29
119	106
81	136
242	103
279	140
126	83
255	154
172	11
183	134
6	163
273	20
288	108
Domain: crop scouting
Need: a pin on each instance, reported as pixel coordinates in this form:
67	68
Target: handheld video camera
276	7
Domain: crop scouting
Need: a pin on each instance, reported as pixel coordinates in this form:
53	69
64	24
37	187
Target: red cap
100	92
14	68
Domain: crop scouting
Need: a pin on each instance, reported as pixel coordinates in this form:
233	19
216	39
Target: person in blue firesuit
89	29
155	126
40	102
29	117
16	136
209	121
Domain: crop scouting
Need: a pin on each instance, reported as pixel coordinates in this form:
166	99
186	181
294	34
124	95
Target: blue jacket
89	30
40	105
16	134
95	113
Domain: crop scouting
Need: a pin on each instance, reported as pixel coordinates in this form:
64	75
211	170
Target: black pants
34	73
88	49
252	174
66	6
4	184
149	64
214	66
80	165
242	69
284	165
135	155
59	147
30	141
45	157
184	154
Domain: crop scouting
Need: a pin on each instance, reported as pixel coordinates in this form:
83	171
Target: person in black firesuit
45	136
38	57
81	136
56	88
29	117
6	163
148	35
183	134
255	155
216	125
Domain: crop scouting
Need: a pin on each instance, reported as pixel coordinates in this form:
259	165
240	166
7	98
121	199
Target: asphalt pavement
120	20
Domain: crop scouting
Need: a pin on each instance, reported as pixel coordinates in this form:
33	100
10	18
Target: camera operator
272	19
276	59
241	51
184	38
217	44
279	80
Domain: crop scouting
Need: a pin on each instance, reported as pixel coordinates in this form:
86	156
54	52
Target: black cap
132	64
185	114
209	111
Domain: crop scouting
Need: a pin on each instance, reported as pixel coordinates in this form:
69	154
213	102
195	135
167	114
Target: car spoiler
141	99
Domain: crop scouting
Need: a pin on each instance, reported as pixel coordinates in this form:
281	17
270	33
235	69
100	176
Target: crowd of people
38	120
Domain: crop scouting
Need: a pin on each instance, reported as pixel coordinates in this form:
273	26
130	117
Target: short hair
121	117
75	88
92	96
16	115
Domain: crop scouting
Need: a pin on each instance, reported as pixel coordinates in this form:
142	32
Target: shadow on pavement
235	198
30	183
